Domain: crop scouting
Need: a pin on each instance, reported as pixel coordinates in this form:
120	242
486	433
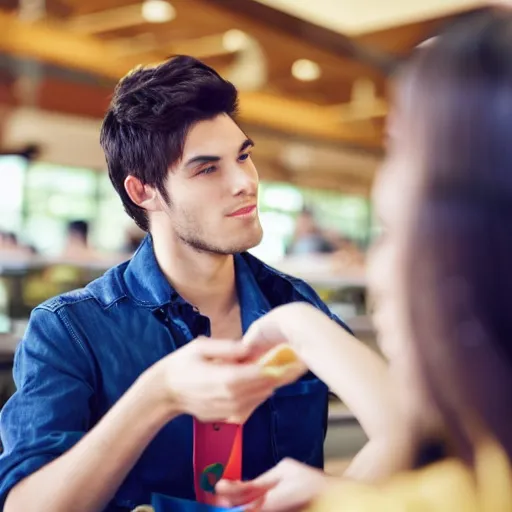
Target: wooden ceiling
67	57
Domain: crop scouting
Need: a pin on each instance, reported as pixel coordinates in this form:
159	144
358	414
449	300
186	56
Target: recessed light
234	40
158	11
306	70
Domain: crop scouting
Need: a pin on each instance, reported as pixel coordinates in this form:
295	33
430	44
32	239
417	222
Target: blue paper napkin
163	503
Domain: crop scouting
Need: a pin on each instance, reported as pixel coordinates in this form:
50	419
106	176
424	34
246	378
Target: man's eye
208	170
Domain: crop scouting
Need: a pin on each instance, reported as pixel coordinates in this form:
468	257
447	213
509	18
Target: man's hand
206	378
211	380
289	486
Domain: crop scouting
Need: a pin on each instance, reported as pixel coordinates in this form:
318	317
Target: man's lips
246	210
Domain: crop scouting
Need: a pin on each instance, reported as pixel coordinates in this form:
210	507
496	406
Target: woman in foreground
441	276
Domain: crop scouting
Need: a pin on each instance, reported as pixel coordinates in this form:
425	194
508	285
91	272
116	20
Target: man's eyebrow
203	159
247	143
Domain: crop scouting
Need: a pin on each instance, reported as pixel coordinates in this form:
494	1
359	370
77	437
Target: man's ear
145	196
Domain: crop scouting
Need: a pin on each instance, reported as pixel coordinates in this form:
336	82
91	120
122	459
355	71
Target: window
12	176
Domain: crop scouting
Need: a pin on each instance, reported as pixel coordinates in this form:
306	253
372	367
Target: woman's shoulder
440	487
444	486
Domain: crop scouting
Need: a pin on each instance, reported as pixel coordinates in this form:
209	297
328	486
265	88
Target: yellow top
447	486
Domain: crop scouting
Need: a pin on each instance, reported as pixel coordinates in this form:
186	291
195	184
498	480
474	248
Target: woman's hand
282	325
352	370
289	486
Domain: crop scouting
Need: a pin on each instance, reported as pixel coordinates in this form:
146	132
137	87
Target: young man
118	396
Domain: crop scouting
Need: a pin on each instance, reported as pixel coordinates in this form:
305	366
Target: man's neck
205	280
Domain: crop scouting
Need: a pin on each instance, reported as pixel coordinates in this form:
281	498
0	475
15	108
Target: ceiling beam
335	182
315	35
105	21
49	42
302	118
54	44
205	47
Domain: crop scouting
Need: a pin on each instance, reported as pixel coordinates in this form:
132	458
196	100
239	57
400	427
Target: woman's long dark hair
458	254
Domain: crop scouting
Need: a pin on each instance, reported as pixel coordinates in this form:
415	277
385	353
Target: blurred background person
78	248
134	237
308	237
76	244
12	248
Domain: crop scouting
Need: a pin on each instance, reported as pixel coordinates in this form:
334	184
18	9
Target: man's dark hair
149	117
79	228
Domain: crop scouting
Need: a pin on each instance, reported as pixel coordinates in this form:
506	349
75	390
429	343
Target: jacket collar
148	286
144	279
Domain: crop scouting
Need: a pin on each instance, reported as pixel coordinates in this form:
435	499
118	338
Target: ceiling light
306	70
158	11
234	40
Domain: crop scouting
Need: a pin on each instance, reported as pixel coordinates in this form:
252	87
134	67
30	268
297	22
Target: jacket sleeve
50	409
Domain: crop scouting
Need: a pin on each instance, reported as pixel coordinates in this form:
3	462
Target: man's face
213	191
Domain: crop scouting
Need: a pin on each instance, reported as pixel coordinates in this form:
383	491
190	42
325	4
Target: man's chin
256	240
247	243
226	245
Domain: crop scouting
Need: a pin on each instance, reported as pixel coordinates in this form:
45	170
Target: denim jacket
84	349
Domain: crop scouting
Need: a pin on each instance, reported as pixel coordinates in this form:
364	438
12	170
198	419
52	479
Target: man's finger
269	479
223	350
245	375
234	494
